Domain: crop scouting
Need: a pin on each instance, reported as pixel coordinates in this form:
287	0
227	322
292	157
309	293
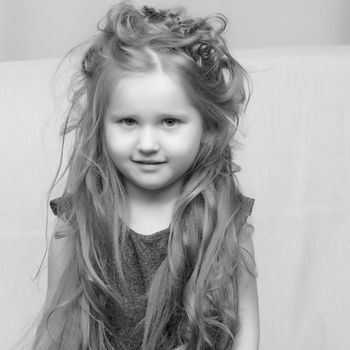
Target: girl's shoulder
62	205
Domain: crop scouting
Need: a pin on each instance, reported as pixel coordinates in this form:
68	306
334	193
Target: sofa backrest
295	162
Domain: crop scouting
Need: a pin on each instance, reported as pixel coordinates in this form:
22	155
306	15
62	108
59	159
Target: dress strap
245	211
54	205
60	206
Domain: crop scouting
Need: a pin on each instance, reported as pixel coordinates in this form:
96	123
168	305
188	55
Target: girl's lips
141	162
149	166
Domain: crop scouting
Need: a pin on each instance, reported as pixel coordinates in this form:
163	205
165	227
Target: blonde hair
193	299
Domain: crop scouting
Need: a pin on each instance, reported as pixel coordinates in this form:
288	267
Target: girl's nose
147	141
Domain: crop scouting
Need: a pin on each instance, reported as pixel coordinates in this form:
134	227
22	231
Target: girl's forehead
151	92
132	79
147	84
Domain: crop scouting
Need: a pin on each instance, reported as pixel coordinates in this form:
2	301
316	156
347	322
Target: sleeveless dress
142	256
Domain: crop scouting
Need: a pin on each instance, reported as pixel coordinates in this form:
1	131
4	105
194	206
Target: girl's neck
150	211
152	199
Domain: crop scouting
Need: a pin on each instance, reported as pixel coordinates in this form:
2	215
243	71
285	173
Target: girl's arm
60	250
248	337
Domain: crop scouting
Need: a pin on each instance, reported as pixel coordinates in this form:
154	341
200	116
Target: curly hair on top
193	298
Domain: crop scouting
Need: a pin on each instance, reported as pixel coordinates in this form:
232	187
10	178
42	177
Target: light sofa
295	162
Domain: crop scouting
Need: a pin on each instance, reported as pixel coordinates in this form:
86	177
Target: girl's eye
173	122
127	121
130	122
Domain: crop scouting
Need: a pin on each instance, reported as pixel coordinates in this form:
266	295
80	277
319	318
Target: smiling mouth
150	163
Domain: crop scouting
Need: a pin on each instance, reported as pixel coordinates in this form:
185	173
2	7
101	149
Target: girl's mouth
150	166
149	163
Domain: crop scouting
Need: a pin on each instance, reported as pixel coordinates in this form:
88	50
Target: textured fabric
142	256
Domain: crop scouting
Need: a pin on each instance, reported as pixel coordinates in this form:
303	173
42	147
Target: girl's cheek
121	143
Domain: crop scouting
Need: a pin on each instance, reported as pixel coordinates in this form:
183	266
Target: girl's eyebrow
161	115
173	115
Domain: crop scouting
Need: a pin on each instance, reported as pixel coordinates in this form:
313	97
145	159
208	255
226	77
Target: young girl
152	249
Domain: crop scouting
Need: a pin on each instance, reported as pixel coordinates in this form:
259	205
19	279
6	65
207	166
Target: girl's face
150	119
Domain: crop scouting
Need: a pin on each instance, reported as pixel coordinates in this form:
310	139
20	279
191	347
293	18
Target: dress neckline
150	236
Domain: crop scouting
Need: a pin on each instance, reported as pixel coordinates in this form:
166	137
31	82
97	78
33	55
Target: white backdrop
31	29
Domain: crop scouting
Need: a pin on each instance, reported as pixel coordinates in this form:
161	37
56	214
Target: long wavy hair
193	299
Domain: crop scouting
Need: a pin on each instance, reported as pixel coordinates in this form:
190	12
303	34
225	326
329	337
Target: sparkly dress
142	256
